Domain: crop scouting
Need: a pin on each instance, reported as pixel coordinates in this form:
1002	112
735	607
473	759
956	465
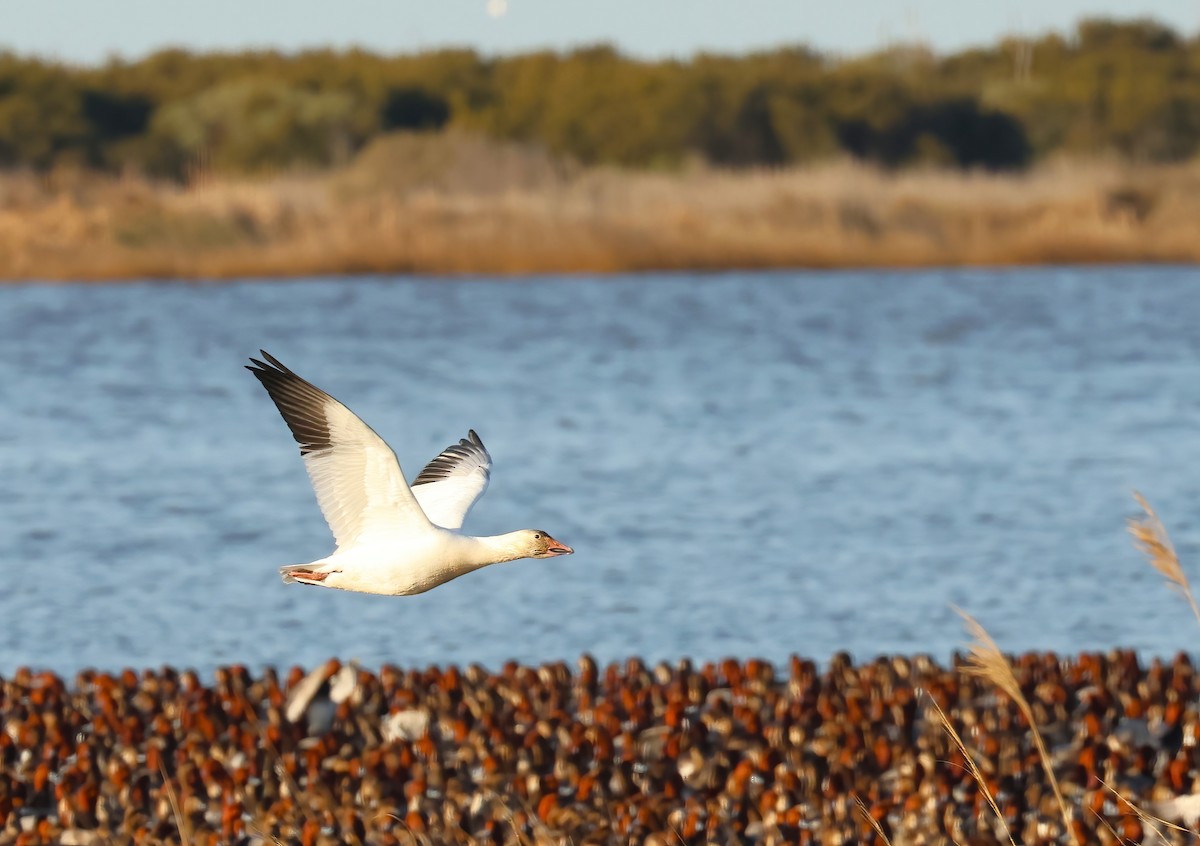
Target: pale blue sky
90	30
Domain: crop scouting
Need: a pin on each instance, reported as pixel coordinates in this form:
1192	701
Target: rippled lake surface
747	464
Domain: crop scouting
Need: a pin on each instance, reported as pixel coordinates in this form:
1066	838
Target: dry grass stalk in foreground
988	663
180	822
979	779
449	204
862	809
1155	823
1150	536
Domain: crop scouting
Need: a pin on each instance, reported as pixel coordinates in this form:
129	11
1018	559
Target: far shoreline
575	274
479	213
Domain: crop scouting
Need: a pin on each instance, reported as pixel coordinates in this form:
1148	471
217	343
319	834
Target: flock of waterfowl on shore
671	754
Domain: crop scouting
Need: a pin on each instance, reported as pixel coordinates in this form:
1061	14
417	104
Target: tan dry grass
181	822
454	205
1151	538
987	662
1156	824
874	823
948	727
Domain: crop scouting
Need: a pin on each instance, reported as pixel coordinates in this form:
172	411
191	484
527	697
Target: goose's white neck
493	549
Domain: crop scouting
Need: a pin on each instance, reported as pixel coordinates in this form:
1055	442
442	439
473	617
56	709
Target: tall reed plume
974	767
865	812
1151	539
1150	536
988	663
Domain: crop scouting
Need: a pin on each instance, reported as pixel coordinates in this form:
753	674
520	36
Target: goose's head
539	544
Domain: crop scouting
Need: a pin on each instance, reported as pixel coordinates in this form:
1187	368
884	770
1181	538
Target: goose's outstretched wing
358	481
454	481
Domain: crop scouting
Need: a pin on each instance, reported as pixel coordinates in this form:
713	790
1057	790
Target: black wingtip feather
449	459
301	403
276	363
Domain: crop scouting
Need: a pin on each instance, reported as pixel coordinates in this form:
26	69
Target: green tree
256	124
42	119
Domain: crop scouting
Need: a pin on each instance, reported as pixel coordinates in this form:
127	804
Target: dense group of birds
726	752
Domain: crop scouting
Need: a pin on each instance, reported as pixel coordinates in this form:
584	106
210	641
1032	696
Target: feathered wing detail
454	481
355	475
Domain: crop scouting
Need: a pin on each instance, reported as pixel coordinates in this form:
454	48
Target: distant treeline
1125	88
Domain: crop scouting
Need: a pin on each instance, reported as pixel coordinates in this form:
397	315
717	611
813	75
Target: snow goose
390	538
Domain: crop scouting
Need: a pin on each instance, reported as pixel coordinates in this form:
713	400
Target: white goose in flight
391	539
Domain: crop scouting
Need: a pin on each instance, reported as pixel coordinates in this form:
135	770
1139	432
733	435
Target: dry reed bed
469	207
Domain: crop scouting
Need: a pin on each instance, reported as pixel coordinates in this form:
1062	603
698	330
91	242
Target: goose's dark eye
537	535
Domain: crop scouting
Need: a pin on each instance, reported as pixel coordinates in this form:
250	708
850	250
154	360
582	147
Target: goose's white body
391	538
407	564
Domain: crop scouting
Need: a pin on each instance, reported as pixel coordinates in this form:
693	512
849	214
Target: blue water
747	464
